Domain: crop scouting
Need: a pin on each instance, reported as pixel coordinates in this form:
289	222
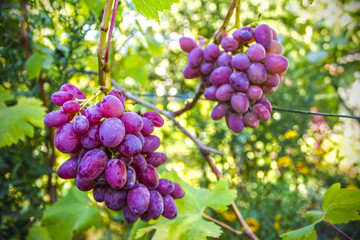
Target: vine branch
224	225
219	34
315	113
190	105
337	229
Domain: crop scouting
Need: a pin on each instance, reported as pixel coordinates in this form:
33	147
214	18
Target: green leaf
134	66
304	233
314	216
341	205
151	8
38	232
70	215
37	61
18	120
189	223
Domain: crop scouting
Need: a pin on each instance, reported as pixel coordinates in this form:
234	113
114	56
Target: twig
337	229
237	15
315	113
106	59
190	105
218	35
224	225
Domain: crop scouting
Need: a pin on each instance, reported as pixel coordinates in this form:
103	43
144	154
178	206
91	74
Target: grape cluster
113	153
238	81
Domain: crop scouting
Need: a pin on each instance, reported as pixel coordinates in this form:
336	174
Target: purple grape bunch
113	154
249	66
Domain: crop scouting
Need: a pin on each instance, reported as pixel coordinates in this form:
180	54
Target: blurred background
279	170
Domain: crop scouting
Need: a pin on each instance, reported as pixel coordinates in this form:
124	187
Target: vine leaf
304	233
18	120
151	8
36	62
189	223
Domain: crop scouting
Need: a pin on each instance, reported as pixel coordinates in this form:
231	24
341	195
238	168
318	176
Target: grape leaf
18	121
189	223
314	216
70	215
38	232
151	8
37	61
304	233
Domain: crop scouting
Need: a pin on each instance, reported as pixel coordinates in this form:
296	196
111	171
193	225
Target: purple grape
224	60
61	97
275	63
224	92
68	169
74	90
117	94
138	199
195	57
83	185
92	165
66	139
210	93
261	112
220	76
115	199
82	153
254	93
99	193
129	216
235	122
156	205
268	90
256	73
141	138
206	68
274	34
91	138
178	191
81	124
211	52
263	35
239	81
170	209
152	143
155	118
205	80
244	34
272	80
56	118
101	180
190	73
139	163
276	48
148	127
219	111
149	177
116	174
250	120
187	44
71	106
266	103
93	114
229	44
256	53
240	62
111	106
112	132
131	146
146	216
165	187
240	102
130	178
156	159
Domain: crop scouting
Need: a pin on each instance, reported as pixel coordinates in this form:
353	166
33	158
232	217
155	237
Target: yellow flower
229	216
284	161
290	134
277	225
302	168
336	238
253	224
277	217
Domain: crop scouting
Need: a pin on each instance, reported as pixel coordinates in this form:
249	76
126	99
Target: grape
178	192
224	60
275	63
130	178
93	114
219	111
139	163
68	169
261	112
74	90
205	80
71	106
117	94
229	44
82	153
235	122
101	180
112	132
263	35
126	160
55	118
155	118
146	216
187	44
149	177
220	76
240	102
276	48
240	62
224	92
66	139
152	143
148	127
99	193
195	57
92	164
239	81
81	124
256	52
210	93
141	138
83	185
206	68
129	216
244	34
254	93
115	199
111	106
91	138
268	90
115	172
61	97
170	209
274	34
272	80
138	199
131	146
266	103
156	159
165	187
156	204
190	73
256	73
250	120
211	52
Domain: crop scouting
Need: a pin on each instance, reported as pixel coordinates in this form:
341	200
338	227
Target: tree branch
219	34
190	105
224	225
337	229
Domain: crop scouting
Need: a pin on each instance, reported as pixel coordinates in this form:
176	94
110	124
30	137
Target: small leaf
151	8
314	216
304	233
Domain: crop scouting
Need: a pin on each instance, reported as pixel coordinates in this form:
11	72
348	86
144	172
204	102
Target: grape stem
337	229
237	15
190	105
90	99
224	225
219	34
315	113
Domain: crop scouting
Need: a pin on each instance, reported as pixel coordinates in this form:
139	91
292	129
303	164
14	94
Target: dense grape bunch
237	75
113	154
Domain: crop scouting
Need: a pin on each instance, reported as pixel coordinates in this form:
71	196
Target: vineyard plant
172	120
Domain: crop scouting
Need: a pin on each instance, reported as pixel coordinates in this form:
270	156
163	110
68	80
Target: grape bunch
113	153
238	81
